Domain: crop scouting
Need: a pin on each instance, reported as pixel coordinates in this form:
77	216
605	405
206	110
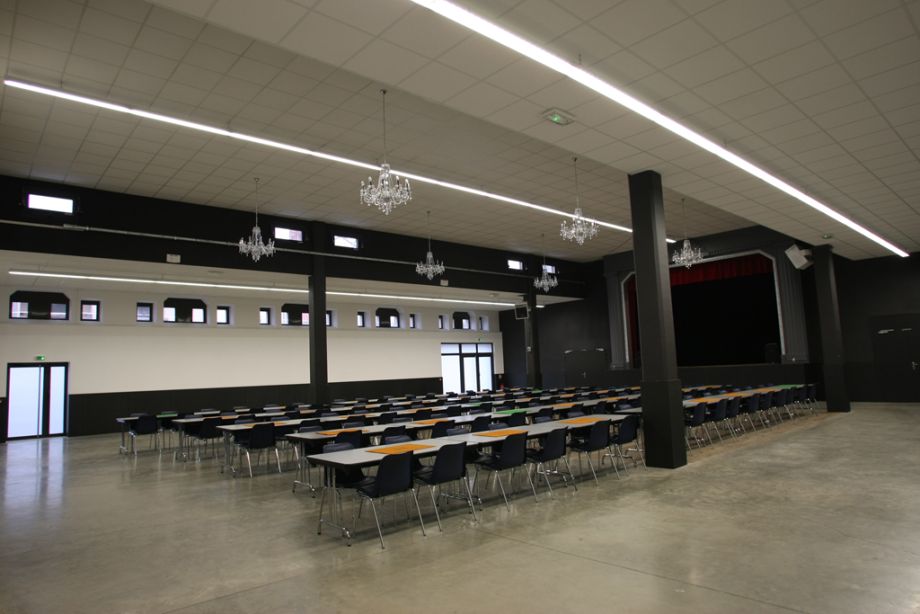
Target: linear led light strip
538	54
291	148
201	284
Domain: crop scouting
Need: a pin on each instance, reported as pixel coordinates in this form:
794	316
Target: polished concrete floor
820	515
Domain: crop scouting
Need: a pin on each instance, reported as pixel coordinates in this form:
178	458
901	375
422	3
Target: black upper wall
382	256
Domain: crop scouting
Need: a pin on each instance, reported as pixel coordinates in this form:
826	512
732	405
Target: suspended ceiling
823	94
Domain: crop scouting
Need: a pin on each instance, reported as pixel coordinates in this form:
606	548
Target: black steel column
662	404
531	339
835	385
319	364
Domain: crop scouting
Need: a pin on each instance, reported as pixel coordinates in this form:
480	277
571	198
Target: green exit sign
40	357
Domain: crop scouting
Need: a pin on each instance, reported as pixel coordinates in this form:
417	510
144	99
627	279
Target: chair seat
425	474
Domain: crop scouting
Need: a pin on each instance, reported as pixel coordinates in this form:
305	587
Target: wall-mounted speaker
799	257
521	312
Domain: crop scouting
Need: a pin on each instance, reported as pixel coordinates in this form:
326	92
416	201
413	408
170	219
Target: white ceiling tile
670	46
437	82
830	16
481	99
425	33
633	20
731	86
772	39
732	18
325	39
109	26
268	20
869	34
372	17
479	58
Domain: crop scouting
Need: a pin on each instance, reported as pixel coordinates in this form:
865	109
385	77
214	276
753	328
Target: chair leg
591	466
249	463
532	487
418	508
377	522
565	459
278	460
502	488
434	502
469	496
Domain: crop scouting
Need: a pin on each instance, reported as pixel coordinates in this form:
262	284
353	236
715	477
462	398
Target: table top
364	457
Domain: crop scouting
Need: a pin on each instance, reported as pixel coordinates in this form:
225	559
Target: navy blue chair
394	476
552	450
594	438
627	432
449	466
507	455
694	419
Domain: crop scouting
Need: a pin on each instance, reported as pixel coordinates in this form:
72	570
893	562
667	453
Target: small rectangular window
550	268
411	320
346	242
169	314
89	311
144	312
50	203
465	323
288	234
265	316
515	265
440	322
59	311
19	310
483	323
223	315
198	315
394	321
361	319
328	318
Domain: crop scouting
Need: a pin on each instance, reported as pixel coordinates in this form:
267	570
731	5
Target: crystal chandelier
253	246
430	268
580	229
545	281
687	255
390	191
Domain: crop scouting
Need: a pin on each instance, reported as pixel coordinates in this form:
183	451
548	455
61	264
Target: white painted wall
119	354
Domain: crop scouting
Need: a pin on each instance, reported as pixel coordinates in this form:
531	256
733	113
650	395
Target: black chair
480	423
390	431
394	476
749	408
454	410
715	415
538	419
401	419
145	425
457	430
516	420
552	450
575	411
345	477
627	432
261	437
590	439
449	466
353	424
355	438
766	407
208	433
422	414
506	456
695	420
732	420
440	429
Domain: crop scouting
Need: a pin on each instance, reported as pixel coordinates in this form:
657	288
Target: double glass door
466	366
37	399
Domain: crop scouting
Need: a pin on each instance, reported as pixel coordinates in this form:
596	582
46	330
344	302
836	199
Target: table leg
335	503
303	469
228	450
123	448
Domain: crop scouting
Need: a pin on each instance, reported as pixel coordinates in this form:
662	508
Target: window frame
91	302
268	316
345	242
225	308
287	231
361	319
137	315
518	265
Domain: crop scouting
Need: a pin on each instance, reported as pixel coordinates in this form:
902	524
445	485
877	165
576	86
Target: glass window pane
360	319
450	373
25	402
485	373
343	241
58	311
89	312
223	315
144	312
484	348
57	401
394	321
197	315
284	318
169	314
450	348
265	316
305	318
50	203
470	372
469	348
19	310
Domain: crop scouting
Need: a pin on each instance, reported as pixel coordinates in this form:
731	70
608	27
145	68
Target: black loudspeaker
799	257
771	353
521	312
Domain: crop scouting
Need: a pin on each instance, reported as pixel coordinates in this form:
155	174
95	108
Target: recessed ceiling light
291	148
490	30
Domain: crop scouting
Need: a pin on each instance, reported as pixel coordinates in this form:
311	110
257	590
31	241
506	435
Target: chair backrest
449	463
627	430
261	435
208	428
456	430
766	400
480	423
598	436
512	451
554	445
402	419
146	425
698	414
398	438
599	408
440	429
734	406
717	410
386	418
422	414
454	410
495	426
516	420
328	414
310	428
575	411
390	431
394	475
752	403
337	447
353	424
539	419
355	438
